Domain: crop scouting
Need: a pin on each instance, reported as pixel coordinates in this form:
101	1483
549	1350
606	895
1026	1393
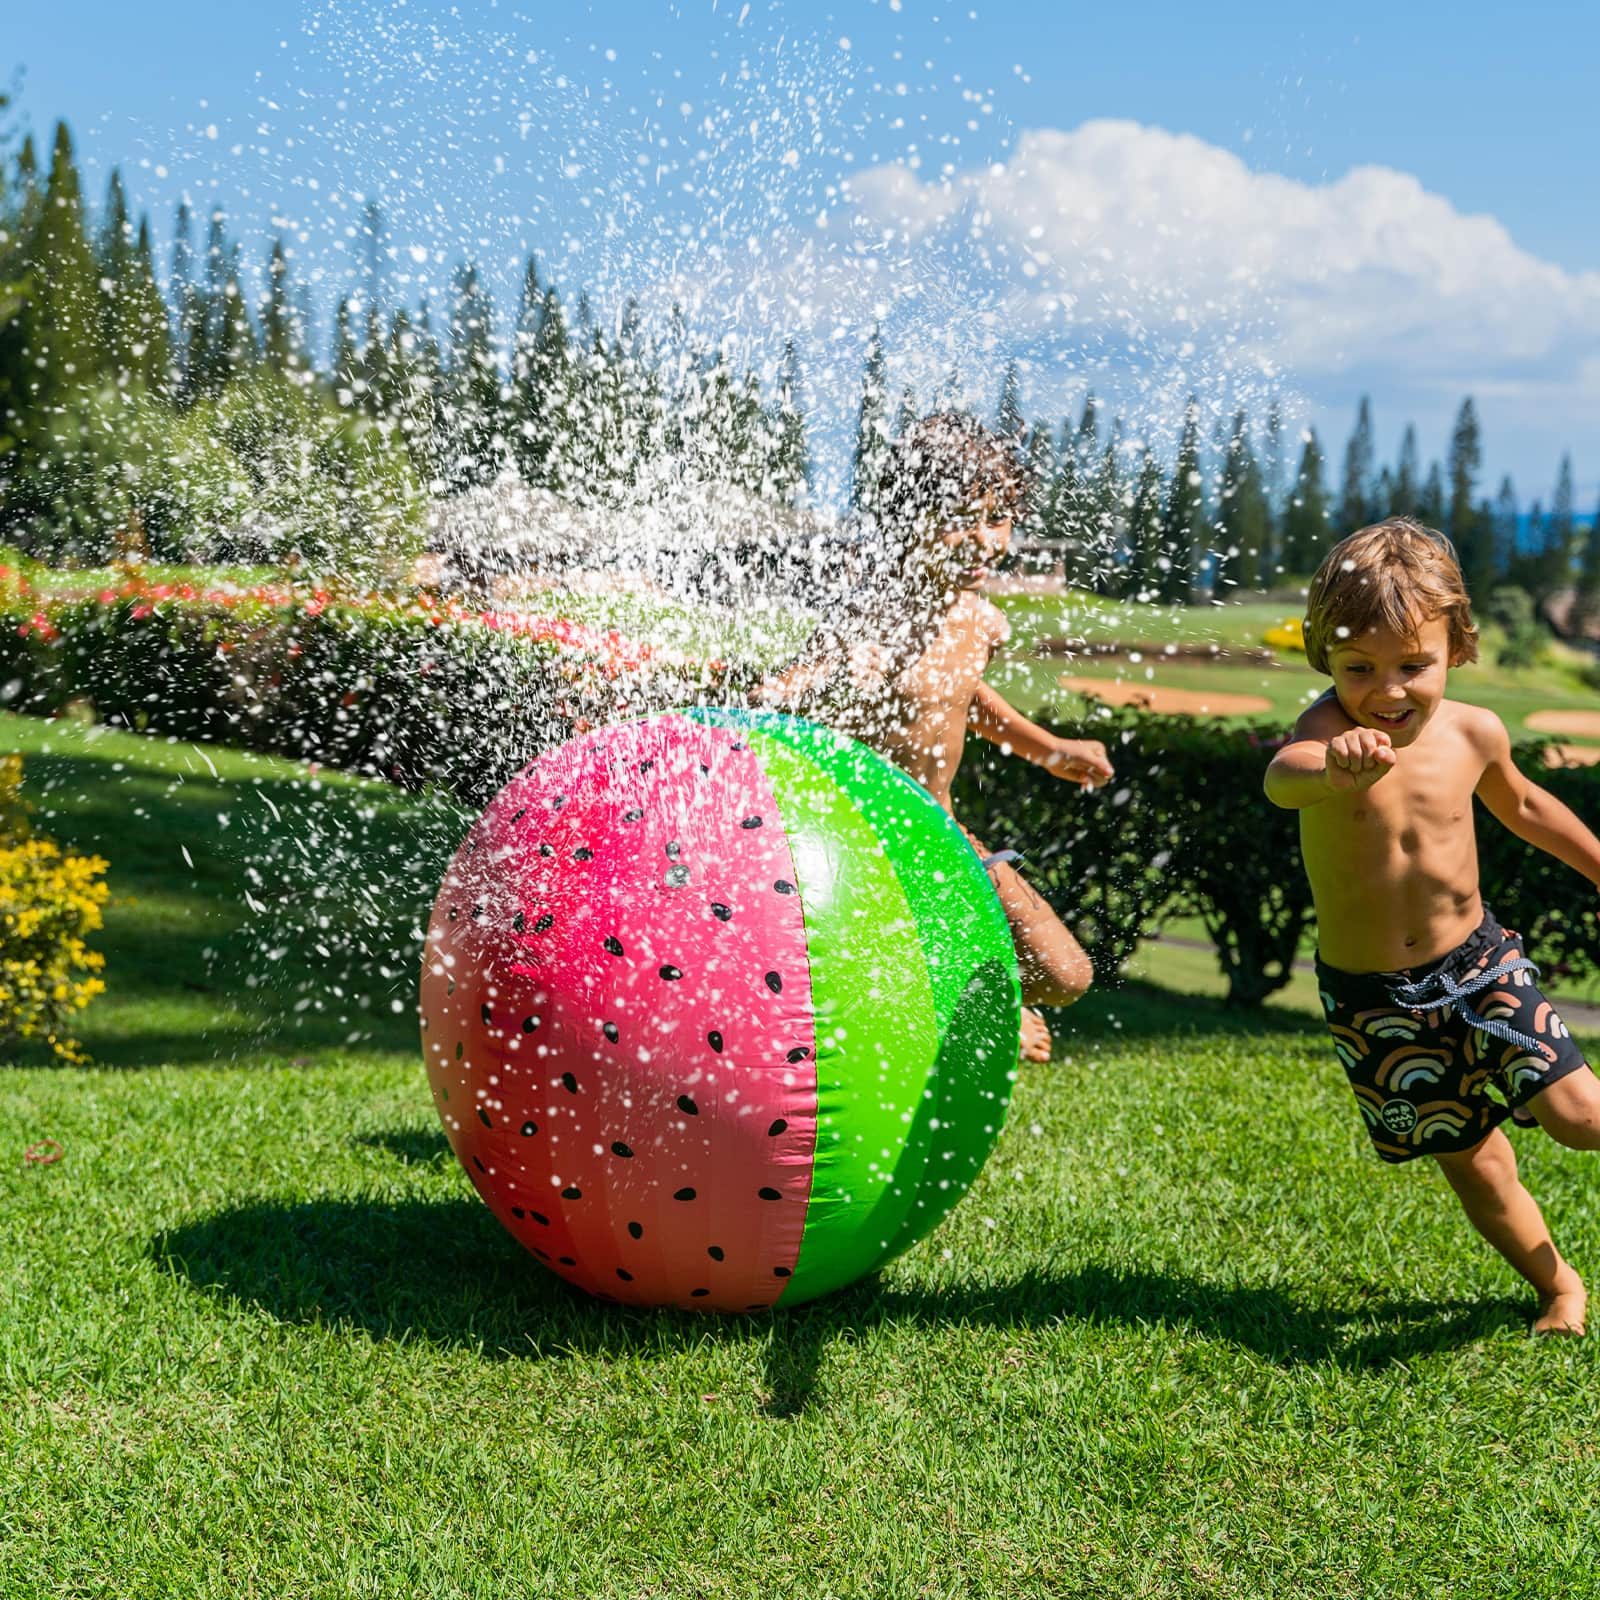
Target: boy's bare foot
1561	1312
1036	1040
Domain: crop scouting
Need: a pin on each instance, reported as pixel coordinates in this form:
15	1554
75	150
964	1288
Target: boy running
1433	1006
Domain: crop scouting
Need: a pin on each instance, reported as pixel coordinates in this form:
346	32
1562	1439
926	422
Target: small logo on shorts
1399	1116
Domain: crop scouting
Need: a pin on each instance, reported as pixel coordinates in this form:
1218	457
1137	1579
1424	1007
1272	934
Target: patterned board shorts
1428	1080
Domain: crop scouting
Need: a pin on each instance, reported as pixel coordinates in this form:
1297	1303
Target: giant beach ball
719	1010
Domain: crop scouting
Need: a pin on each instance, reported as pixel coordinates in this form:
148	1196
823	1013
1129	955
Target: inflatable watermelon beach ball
719	1010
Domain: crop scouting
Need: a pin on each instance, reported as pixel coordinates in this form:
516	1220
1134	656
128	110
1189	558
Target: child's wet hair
945	465
1394	574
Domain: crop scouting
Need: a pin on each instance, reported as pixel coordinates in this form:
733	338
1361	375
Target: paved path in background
1577	1014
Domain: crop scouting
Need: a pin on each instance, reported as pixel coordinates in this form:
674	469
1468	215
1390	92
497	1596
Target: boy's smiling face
1392	681
971	542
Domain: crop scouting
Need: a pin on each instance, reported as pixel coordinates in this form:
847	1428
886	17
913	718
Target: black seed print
775	983
543	922
618	1148
674	850
714	1039
572	1192
547	850
455	912
583	853
671	973
633	815
799	1053
705	769
636	1230
684	1194
477	911
483	1117
736	747
716	1252
459	1048
519	814
624	1274
449	985
768	1194
751	822
569	1083
540	1218
675	877
613	944
529	1129
517	922
783	886
566	1261
480	1166
721	912
781	1272
559	801
698	1294
609	1029
687	1106
776	1128
529	1024
444	1093
645	766
543	1255
486	1014
518	1213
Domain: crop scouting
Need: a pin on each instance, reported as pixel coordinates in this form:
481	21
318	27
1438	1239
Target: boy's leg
1051	963
1486	1183
1569	1110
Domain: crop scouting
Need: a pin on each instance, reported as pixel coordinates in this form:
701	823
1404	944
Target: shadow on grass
1138	1010
446	1271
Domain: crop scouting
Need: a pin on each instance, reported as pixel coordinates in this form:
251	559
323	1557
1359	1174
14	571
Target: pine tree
1242	511
474	385
525	337
1033	520
1143	575
63	306
280	343
236	336
1008	411
1553	568
871	447
187	309
1061	515
1407	501
1305	518
1586	604
792	464
115	253
1471	534
1503	518
1430	501
906	415
1355	495
1272	463
1183	528
343	359
543	402
1109	533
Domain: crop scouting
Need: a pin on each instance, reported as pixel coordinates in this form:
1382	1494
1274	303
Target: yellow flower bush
49	902
1286	635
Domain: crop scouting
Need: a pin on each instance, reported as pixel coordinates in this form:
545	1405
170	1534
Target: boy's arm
1079	760
1530	812
1328	755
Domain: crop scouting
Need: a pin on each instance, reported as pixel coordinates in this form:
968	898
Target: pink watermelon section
618	1018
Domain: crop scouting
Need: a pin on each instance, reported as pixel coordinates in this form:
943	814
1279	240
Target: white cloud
1116	222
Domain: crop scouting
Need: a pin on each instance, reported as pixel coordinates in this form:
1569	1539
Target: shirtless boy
900	665
1433	1006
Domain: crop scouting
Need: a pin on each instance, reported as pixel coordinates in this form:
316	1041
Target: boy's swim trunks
1440	1055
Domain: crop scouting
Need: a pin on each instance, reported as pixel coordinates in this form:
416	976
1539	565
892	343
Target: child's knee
1062	979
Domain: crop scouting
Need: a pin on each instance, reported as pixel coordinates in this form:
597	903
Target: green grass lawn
258	1337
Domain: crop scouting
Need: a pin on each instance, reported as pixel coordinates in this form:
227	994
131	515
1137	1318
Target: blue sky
503	128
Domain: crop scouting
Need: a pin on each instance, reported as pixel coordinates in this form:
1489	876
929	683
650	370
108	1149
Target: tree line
182	415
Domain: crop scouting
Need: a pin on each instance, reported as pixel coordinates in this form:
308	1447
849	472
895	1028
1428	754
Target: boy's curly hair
945	464
1395	574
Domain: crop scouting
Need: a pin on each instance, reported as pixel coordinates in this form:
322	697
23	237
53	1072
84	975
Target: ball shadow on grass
446	1271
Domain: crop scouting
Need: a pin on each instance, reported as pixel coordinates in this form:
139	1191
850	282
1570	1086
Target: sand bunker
1179	702
1572	755
1580	724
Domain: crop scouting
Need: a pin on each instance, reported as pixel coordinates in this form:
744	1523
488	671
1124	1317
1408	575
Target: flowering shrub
49	903
416	690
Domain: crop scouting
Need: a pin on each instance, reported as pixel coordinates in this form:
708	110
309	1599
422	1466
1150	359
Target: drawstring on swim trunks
1440	988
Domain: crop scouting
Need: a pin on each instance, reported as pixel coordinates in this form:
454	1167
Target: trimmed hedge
411	695
1186	829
